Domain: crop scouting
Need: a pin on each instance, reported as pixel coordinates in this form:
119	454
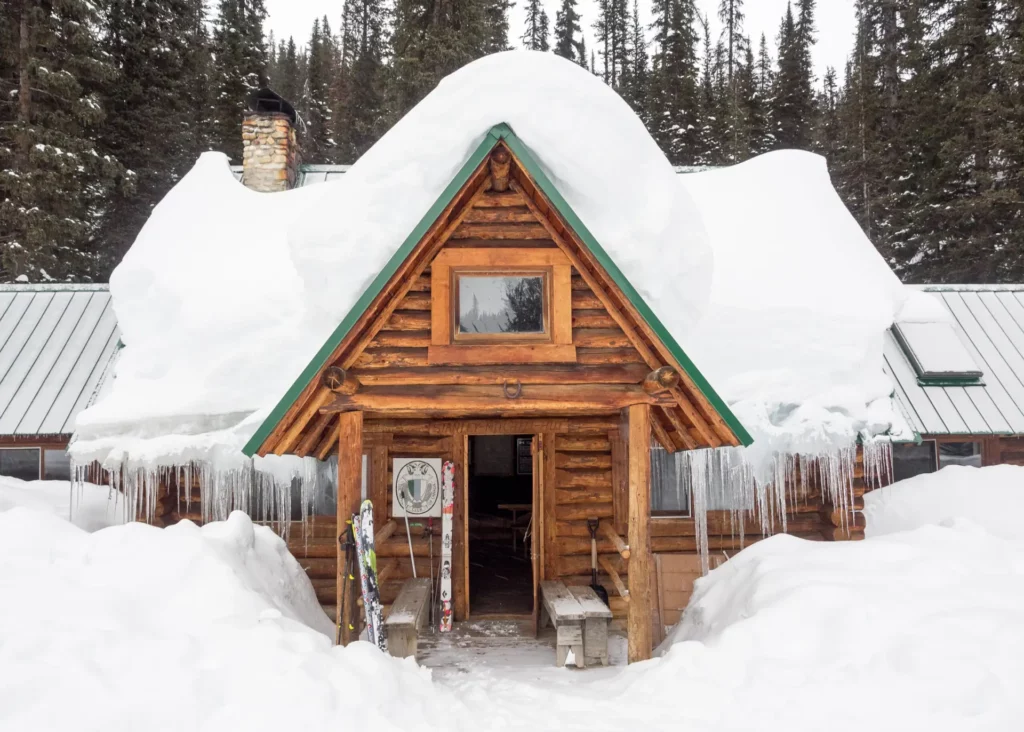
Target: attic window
937	353
496	305
501	305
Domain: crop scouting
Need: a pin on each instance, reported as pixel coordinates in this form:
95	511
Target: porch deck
506	647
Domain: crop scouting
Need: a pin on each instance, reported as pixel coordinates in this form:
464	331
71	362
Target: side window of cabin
670	486
501	304
959	453
909	459
20	462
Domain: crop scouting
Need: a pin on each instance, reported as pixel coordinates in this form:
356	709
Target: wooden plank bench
564	612
408	615
595	624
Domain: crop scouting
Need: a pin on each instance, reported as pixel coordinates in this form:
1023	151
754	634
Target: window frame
447	346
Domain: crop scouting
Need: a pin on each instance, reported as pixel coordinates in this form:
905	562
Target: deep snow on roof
56	342
989	319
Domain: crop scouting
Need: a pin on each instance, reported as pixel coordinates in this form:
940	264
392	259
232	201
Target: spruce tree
568	36
240	66
762	103
733	108
156	105
54	180
636	80
362	113
533	37
545	32
675	97
613	36
794	91
286	79
317	142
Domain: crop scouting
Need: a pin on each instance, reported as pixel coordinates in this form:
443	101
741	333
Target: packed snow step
408	616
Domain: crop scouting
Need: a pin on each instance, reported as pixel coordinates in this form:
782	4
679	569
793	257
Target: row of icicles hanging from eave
717	479
722	479
140	491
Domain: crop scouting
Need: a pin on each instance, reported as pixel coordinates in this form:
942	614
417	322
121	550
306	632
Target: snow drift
217	628
991	497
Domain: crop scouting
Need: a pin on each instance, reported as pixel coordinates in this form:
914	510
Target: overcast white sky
835	22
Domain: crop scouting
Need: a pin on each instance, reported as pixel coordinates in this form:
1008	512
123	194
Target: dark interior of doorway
500	570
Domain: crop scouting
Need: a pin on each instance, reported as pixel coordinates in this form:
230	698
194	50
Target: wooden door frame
537	436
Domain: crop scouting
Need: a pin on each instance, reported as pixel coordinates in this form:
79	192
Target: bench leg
402	642
570	635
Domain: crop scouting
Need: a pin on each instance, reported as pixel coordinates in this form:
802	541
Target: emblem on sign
417	488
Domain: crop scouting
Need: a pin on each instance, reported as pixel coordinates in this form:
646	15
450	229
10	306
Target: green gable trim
320	359
497	133
570	217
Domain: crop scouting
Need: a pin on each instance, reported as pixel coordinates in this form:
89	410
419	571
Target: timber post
350	466
640	618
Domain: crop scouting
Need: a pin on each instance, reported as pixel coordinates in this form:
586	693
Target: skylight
936	352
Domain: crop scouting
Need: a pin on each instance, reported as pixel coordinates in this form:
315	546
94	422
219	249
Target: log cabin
503	335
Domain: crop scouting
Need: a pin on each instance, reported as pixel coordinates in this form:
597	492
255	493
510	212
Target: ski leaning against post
362	528
447	509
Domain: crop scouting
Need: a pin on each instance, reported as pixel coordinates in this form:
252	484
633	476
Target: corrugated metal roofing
989	319
56	342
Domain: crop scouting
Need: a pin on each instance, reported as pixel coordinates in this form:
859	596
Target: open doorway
500	514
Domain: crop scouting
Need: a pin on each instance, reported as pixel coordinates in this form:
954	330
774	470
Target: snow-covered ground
132	627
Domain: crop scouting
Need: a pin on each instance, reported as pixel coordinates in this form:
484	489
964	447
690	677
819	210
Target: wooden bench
408	614
564	612
595	624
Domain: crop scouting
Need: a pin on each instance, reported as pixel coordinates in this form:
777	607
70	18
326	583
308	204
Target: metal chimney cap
268	101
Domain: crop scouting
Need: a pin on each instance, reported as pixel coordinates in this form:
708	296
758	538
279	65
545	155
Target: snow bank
991	497
918	630
800	301
216	628
89	506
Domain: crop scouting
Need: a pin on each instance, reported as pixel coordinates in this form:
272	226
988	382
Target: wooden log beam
350	466
489	375
661	379
609	533
613	574
531	399
661	435
639	622
384	571
341	381
385	533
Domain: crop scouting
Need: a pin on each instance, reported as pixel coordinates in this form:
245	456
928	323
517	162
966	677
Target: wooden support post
350	466
639	620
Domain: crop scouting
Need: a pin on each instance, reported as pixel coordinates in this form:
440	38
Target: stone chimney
270	154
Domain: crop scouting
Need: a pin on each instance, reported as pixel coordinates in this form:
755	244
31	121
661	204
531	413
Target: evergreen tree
535	35
569	41
54	182
240	66
763	101
362	106
675	97
432	39
636	79
612	29
286	78
733	108
794	92
317	142
545	32
156	105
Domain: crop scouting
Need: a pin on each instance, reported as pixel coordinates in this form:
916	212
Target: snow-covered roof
989	320
757	270
56	342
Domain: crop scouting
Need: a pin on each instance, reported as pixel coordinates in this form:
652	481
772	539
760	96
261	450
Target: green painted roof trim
563	208
497	133
335	339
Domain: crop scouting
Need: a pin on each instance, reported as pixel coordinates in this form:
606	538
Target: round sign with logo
417	487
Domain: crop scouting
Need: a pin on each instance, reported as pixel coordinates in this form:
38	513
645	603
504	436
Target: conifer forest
105	104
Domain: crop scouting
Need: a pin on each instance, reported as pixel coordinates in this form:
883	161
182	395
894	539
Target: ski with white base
447	510
362	529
